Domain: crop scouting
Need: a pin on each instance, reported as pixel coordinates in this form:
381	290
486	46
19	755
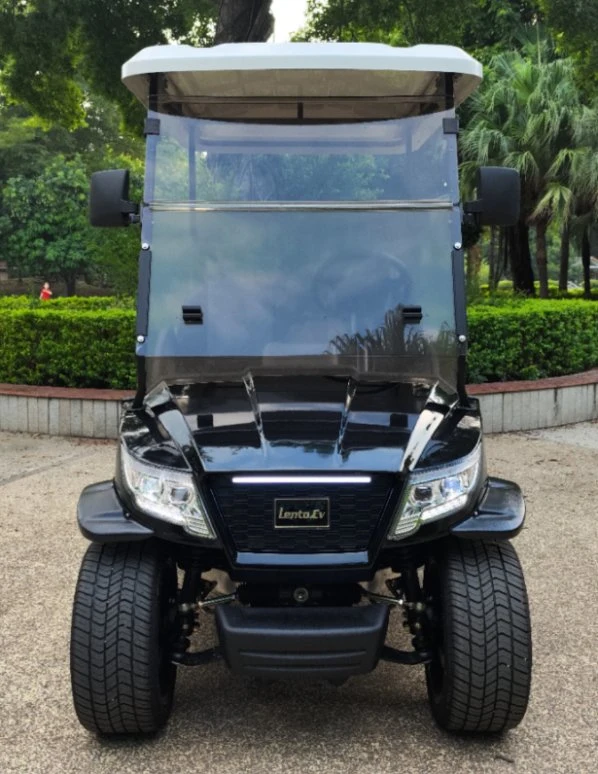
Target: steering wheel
362	286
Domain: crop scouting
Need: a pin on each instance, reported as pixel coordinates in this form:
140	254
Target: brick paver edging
505	406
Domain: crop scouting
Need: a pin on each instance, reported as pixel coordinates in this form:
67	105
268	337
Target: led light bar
302	479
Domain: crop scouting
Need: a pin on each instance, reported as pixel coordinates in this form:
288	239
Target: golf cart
301	460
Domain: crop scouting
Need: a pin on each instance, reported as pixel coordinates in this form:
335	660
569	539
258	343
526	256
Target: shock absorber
414	606
193	588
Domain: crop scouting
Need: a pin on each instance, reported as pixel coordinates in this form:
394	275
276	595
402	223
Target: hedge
68	302
79	343
505	290
67	347
532	339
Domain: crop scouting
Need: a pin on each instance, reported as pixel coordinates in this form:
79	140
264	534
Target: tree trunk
564	268
517	244
495	261
244	21
541	257
585	262
70	279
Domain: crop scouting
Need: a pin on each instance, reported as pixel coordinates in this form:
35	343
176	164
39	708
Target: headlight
433	494
166	494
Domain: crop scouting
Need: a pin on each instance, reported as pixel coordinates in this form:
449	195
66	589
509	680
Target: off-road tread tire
114	641
487	639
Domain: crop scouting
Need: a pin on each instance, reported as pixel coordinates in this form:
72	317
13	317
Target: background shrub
505	290
68	302
72	347
532	339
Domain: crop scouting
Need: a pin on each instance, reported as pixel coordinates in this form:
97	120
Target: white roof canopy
301	71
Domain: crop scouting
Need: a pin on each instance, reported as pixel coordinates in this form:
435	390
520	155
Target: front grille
247	512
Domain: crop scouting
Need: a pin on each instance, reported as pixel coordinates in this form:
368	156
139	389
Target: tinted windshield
301	248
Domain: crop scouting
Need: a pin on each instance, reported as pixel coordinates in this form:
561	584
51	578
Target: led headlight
166	494
435	493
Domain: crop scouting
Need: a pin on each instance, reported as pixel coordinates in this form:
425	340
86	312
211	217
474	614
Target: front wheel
479	680
123	615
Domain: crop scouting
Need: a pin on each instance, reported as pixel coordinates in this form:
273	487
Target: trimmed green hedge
68	302
532	339
505	291
81	342
67	347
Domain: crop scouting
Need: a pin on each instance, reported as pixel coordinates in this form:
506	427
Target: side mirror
109	204
499	197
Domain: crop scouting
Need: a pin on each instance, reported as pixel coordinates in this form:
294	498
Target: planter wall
505	406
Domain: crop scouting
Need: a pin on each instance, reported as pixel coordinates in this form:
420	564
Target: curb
505	406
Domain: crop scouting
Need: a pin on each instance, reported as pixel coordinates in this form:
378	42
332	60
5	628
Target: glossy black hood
301	424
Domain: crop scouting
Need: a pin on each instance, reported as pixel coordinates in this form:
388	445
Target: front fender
500	514
102	518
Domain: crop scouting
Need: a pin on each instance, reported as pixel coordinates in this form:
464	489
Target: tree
573	24
524	117
20	149
50	49
28	146
579	168
477	25
45	223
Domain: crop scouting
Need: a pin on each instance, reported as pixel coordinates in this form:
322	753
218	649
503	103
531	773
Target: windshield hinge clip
192	315
450	125
412	315
151	126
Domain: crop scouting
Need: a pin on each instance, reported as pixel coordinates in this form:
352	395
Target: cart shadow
388	707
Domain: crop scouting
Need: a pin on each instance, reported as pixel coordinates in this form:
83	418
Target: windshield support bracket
143	292
458	258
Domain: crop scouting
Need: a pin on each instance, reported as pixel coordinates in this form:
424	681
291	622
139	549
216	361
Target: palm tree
524	117
572	191
583	181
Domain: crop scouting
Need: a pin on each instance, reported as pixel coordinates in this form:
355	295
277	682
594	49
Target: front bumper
327	643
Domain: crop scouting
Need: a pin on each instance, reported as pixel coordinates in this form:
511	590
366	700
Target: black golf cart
301	459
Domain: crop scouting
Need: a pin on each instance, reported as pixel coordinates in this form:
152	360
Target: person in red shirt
46	293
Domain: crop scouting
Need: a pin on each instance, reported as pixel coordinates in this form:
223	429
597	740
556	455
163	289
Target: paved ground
378	723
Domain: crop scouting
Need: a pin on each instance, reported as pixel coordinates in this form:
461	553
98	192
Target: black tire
480	678
121	675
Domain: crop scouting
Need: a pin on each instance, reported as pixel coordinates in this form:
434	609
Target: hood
301	424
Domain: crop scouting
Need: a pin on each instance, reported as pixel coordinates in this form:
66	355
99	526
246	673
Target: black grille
247	510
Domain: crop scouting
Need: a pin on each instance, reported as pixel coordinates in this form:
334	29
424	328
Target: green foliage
45	222
88	303
524	116
55	345
44	226
50	49
532	339
574	26
28	143
503	295
480	26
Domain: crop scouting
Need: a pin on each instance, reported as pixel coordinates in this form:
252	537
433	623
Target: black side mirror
499	197
109	204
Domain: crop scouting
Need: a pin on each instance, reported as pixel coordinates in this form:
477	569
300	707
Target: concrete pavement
377	723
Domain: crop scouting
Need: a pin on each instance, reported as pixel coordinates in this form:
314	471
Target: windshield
301	248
